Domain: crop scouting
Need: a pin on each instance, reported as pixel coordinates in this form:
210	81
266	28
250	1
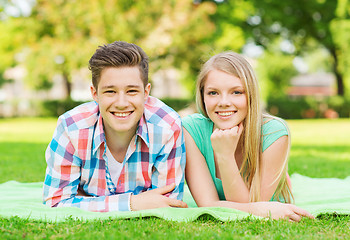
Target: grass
320	148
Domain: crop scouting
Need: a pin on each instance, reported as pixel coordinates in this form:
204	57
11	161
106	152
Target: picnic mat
317	195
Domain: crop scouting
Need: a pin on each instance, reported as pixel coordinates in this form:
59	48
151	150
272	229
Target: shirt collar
99	134
142	131
100	138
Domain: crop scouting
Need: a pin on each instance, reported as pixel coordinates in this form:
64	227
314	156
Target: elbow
208	203
238	199
52	201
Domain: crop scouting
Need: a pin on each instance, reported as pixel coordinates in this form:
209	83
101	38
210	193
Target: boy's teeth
121	114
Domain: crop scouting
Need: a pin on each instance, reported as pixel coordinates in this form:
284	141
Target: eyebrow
127	86
214	88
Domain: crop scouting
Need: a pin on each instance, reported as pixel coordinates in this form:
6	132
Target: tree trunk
68	85
338	75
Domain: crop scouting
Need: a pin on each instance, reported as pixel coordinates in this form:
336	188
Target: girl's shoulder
273	124
272	129
198	126
196	119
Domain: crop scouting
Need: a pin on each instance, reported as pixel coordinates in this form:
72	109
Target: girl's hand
277	210
224	141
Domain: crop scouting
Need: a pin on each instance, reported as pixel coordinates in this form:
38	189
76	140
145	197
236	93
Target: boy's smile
121	96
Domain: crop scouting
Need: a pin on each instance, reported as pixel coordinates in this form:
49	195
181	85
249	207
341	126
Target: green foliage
341	29
54	108
177	103
303	22
275	71
59	36
287	108
8	46
309	107
62	35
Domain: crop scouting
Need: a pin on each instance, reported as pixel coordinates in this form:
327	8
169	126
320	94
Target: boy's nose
121	101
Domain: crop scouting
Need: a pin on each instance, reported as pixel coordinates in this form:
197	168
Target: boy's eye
132	91
109	91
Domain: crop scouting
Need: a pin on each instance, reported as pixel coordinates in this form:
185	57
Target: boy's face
121	96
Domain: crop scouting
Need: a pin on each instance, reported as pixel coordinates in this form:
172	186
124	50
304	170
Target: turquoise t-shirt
201	128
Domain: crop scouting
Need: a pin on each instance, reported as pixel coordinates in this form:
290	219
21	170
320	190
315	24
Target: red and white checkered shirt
76	158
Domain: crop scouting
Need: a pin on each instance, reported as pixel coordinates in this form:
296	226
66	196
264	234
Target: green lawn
320	148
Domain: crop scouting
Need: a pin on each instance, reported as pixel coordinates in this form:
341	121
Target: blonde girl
236	155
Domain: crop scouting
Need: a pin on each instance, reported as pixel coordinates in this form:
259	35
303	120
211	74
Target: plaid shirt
76	159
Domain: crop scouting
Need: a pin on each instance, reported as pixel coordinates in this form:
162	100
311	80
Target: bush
54	108
177	103
341	105
309	107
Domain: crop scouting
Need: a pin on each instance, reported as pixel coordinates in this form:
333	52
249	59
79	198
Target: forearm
120	202
252	208
234	187
171	168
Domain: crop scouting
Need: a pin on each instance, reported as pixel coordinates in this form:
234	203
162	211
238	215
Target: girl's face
225	99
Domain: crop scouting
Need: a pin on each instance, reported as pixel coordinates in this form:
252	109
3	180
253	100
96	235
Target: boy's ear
147	90
94	93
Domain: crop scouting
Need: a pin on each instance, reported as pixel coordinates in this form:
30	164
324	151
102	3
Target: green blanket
317	195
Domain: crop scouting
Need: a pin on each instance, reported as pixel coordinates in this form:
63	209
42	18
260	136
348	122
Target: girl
236	155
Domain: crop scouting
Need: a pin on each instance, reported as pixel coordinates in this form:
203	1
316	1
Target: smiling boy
122	152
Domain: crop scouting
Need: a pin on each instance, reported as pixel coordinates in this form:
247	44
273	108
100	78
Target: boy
122	152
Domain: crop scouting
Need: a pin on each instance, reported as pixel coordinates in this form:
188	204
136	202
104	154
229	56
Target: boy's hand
155	199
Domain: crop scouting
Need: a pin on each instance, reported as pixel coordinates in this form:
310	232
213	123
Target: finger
177	203
216	131
233	130
303	212
165	189
294	217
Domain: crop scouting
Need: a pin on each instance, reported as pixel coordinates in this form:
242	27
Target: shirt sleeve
63	177
272	130
170	162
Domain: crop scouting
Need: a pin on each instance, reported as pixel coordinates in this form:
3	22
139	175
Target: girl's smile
225	99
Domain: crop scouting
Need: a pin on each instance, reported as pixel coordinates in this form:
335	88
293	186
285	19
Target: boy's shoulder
82	116
158	113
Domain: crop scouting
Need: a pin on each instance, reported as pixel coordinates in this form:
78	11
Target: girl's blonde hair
235	64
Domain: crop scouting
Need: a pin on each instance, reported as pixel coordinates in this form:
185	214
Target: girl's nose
224	101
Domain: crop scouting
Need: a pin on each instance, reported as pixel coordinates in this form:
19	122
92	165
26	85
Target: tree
304	21
62	35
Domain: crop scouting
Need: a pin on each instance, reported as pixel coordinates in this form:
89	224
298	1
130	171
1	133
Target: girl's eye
237	92
212	93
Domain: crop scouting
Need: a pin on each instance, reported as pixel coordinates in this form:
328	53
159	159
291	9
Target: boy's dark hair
118	54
